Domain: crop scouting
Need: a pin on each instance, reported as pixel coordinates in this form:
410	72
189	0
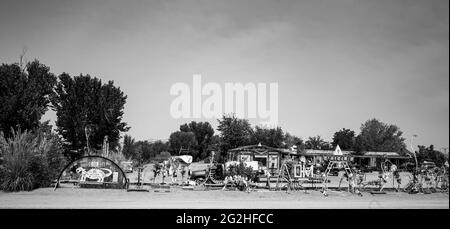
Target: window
262	161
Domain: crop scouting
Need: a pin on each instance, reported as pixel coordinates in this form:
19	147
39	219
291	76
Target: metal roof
312	152
369	154
260	148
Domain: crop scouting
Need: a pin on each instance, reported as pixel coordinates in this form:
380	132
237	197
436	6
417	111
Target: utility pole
415	158
412	150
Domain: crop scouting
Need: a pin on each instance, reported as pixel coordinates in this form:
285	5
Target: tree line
88	109
199	139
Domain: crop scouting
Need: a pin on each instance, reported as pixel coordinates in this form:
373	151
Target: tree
234	132
291	140
24	95
143	152
380	137
180	139
158	147
317	143
84	102
128	147
345	138
203	133
430	154
273	137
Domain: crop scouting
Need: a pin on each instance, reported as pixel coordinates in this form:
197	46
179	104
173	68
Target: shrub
241	170
29	161
54	159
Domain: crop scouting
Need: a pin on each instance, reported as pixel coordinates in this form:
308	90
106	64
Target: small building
368	159
270	158
320	156
267	157
374	159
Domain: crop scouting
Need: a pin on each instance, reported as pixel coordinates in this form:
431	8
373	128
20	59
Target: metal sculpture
388	171
139	185
94	174
342	162
239	182
287	174
120	183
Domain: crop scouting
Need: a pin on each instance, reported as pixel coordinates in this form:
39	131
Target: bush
54	160
29	161
241	170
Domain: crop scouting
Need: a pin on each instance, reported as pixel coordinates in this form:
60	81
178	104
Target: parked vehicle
216	171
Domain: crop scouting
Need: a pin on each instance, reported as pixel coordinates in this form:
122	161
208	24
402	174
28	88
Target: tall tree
317	143
345	138
180	139
24	95
272	137
83	102
234	132
430	154
291	140
142	152
128	147
203	133
379	136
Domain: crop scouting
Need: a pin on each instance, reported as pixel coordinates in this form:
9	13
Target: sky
337	63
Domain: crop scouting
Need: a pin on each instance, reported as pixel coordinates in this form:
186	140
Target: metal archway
90	156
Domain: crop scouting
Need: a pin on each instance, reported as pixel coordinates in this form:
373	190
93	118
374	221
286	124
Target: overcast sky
337	63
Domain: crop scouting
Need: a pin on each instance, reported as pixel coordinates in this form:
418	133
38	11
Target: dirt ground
72	197
147	176
178	198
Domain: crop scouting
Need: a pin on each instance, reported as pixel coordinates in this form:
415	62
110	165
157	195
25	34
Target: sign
338	151
93	174
273	161
336	158
302	171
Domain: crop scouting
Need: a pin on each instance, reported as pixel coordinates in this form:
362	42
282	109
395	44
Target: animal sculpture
177	164
384	177
94	174
240	182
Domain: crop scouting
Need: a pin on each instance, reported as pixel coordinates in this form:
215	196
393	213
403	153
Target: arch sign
93	172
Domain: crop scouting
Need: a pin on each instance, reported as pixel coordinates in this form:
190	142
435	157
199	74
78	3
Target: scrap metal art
177	164
428	179
340	161
210	178
92	171
442	177
388	172
284	176
171	167
293	175
95	174
238	182
139	185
